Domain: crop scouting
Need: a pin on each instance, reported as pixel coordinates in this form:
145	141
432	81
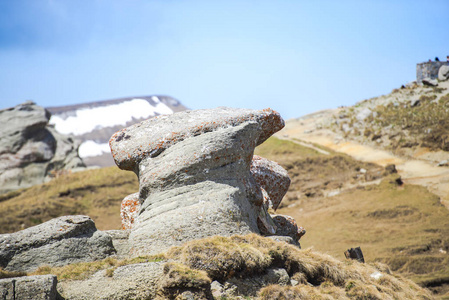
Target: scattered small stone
443	163
415	102
363	114
355	253
376	275
430	82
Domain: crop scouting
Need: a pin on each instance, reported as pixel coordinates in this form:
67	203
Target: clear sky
296	57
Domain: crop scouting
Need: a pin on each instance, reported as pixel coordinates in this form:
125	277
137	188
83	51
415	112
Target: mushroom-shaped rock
149	138
271	178
194	174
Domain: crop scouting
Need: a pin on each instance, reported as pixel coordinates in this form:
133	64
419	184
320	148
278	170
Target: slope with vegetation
191	268
410	121
336	198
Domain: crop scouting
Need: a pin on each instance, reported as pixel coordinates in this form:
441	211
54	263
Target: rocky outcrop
39	287
196	176
443	73
31	152
58	242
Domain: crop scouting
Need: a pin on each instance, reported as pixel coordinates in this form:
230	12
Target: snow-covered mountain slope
93	123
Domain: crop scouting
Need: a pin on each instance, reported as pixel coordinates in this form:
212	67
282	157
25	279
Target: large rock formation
31	152
58	242
195	176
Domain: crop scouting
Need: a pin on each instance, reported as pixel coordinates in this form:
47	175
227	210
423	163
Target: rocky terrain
93	123
214	150
352	183
31	151
406	128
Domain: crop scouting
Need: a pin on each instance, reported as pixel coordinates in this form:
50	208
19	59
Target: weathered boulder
136	281
31	152
57	242
194	174
443	73
363	114
38	287
271	178
286	226
249	286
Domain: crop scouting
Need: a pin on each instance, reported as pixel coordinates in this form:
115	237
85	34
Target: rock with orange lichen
195	176
151	137
129	209
270	176
286	226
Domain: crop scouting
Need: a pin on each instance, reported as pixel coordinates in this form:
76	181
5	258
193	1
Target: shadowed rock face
30	151
195	176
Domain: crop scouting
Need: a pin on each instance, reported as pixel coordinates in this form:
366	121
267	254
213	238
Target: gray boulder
249	286
443	73
363	114
39	287
194	174
136	281
31	152
58	242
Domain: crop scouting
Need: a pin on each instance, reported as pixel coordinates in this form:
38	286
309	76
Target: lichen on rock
198	176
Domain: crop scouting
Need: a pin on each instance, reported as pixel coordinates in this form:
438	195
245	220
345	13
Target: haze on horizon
296	57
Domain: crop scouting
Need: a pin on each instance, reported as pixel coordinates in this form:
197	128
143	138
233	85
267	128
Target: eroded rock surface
58	242
272	178
38	287
136	281
195	176
31	152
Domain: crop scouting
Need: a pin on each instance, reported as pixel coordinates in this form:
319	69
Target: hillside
336	198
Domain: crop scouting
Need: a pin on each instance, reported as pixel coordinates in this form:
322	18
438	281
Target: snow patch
91	148
86	120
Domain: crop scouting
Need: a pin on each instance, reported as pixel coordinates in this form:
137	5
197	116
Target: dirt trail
308	129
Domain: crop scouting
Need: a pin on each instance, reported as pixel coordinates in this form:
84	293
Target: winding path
307	131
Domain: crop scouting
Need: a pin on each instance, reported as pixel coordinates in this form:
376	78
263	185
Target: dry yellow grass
79	271
96	193
321	275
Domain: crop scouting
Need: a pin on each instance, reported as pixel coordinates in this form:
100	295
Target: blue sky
294	56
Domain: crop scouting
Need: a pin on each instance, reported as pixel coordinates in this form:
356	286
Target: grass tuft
10	274
79	271
319	274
